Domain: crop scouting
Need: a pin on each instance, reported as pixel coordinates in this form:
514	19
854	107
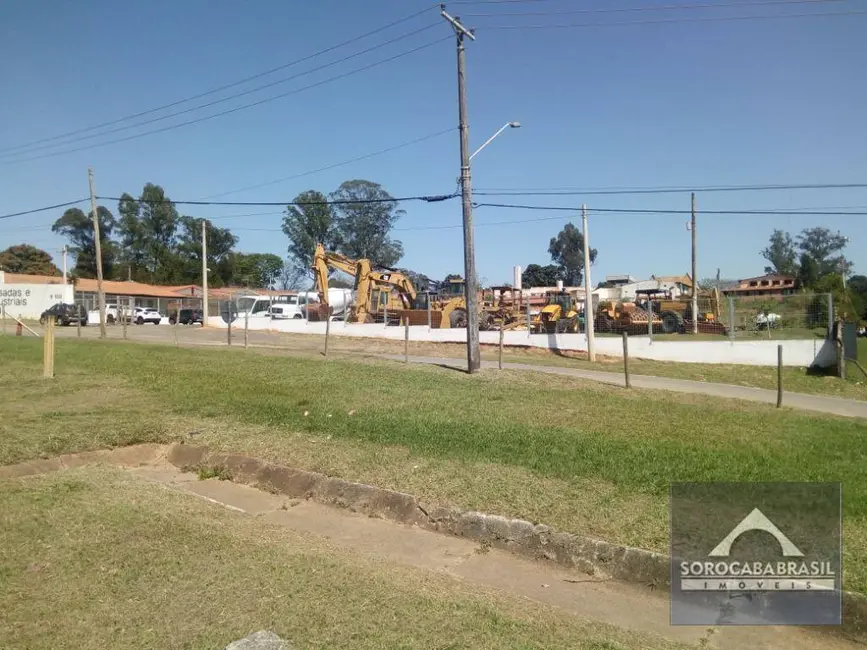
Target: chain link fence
797	316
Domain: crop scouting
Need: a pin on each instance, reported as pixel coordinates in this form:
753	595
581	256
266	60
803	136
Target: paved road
217	338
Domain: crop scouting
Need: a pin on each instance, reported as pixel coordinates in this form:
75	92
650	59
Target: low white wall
30	300
801	353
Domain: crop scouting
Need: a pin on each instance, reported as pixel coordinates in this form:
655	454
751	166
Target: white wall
30	300
801	353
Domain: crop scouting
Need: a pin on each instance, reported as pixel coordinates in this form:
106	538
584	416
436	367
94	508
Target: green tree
77	227
781	254
825	249
365	215
255	270
858	289
808	271
567	252
311	221
147	230
536	275
28	260
220	242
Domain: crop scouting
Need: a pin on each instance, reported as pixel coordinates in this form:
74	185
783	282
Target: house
764	285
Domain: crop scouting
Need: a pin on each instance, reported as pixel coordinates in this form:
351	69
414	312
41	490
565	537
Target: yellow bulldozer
559	315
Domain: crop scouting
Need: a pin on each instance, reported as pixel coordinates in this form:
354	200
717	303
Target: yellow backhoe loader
560	314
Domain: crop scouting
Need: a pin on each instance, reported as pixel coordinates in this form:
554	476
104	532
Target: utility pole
694	278
589	325
204	274
98	245
64	251
473	353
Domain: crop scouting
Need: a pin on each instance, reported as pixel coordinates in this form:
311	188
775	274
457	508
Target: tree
825	249
78	228
781	254
365	214
307	224
147	231
28	260
220	242
567	252
290	276
709	284
257	270
540	276
808	271
420	281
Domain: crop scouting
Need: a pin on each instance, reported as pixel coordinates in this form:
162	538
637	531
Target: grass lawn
579	456
94	558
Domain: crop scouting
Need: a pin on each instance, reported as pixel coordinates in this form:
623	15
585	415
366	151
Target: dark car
187	317
64	314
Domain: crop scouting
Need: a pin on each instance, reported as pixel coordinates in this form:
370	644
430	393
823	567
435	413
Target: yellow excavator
559	315
373	287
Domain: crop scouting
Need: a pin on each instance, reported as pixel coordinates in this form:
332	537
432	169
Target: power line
237	108
657	211
224	87
573	191
428	199
606	10
48	207
228	98
661	21
335	165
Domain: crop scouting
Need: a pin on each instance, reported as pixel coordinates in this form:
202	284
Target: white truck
293	307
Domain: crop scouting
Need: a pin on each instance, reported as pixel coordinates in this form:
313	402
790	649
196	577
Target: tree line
815	258
567	261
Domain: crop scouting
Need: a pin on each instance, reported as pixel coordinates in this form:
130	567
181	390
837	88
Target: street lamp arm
514	125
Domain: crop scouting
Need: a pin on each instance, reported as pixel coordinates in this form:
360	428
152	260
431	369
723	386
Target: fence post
626	359
77	322
500	359
327	331
246	328
48	349
529	320
229	319
732	319
3	311
406	340
650	320
830	315
124	316
428	313
385	315
779	376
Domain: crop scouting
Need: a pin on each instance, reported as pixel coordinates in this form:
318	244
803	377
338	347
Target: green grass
92	559
577	455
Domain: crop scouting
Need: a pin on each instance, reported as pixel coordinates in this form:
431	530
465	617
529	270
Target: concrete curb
537	541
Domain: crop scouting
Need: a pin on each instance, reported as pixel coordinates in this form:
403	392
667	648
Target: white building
27	296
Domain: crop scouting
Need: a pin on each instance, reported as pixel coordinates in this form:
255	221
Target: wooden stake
502	336
327	329
48	349
246	328
406	340
779	376
626	359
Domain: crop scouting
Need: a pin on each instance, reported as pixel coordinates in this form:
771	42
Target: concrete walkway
629	607
818	403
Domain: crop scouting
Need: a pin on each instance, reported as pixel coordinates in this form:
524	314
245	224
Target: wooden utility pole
98	244
779	376
588	292
65	250
474	357
204	274
694	266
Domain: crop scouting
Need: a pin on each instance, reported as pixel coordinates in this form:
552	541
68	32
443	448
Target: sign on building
30	300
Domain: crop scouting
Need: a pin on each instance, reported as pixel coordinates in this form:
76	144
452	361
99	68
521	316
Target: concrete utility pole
474	361
694	278
64	251
98	245
589	325
204	274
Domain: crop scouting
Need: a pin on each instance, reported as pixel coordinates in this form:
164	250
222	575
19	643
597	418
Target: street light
513	125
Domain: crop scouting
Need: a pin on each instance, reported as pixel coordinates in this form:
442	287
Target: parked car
144	315
187	317
64	314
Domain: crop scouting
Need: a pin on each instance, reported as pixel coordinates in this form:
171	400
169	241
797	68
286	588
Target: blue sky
687	104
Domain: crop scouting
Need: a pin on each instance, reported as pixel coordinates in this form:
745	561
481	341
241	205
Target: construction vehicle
625	317
504	309
559	315
676	313
374	299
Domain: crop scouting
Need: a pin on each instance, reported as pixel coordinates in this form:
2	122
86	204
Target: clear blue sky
673	104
